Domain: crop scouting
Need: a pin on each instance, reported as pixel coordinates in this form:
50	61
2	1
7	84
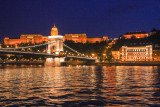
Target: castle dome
54	31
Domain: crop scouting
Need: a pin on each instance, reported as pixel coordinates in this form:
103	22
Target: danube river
80	86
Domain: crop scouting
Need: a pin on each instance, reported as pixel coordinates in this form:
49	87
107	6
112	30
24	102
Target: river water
80	86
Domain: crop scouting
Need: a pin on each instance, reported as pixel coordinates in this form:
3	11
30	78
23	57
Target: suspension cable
71	49
28	46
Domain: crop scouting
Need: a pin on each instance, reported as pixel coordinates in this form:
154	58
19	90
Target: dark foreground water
80	86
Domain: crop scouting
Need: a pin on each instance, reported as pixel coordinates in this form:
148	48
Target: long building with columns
138	49
30	38
38	38
82	38
138	53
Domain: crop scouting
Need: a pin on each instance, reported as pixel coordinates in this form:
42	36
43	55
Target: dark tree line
88	48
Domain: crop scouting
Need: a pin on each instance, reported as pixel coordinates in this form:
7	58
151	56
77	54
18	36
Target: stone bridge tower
55	40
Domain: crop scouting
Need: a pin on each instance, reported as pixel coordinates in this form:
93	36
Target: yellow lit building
138	53
54	30
116	55
30	38
129	35
82	38
37	38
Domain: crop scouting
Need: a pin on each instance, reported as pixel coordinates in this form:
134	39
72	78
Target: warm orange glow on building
138	53
54	30
37	38
82	38
30	38
27	38
136	35
8	41
116	55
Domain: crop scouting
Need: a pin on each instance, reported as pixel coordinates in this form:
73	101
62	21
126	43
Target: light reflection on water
80	86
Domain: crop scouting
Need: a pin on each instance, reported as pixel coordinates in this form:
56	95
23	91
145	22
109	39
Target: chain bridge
53	51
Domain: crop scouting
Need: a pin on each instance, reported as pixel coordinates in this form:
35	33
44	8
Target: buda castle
38	38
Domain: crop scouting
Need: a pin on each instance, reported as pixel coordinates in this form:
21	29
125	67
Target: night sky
96	18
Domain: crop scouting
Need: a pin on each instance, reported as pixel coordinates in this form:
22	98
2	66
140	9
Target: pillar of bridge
57	61
56	42
49	48
59	45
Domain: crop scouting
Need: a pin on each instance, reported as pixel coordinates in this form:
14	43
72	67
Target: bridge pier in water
57	61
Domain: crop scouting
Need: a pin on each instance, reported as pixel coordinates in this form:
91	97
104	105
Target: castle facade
38	38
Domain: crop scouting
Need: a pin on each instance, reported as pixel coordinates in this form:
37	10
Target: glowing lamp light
49	52
57	49
57	36
93	54
61	59
104	54
56	53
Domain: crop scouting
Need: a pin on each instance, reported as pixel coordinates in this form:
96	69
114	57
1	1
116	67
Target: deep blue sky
93	17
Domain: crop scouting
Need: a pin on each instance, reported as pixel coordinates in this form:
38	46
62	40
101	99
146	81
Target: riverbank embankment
22	62
74	63
129	63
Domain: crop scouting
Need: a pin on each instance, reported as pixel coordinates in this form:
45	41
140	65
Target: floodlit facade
54	30
129	35
26	38
138	53
37	38
94	40
82	38
57	40
31	38
116	55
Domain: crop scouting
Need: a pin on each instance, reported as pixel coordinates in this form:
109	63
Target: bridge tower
55	44
55	41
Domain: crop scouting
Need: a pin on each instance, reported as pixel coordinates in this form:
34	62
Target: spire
54	25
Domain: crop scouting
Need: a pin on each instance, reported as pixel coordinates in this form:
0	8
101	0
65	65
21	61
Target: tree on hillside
109	56
133	37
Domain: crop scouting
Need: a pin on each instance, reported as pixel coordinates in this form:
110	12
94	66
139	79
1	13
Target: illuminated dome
54	31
